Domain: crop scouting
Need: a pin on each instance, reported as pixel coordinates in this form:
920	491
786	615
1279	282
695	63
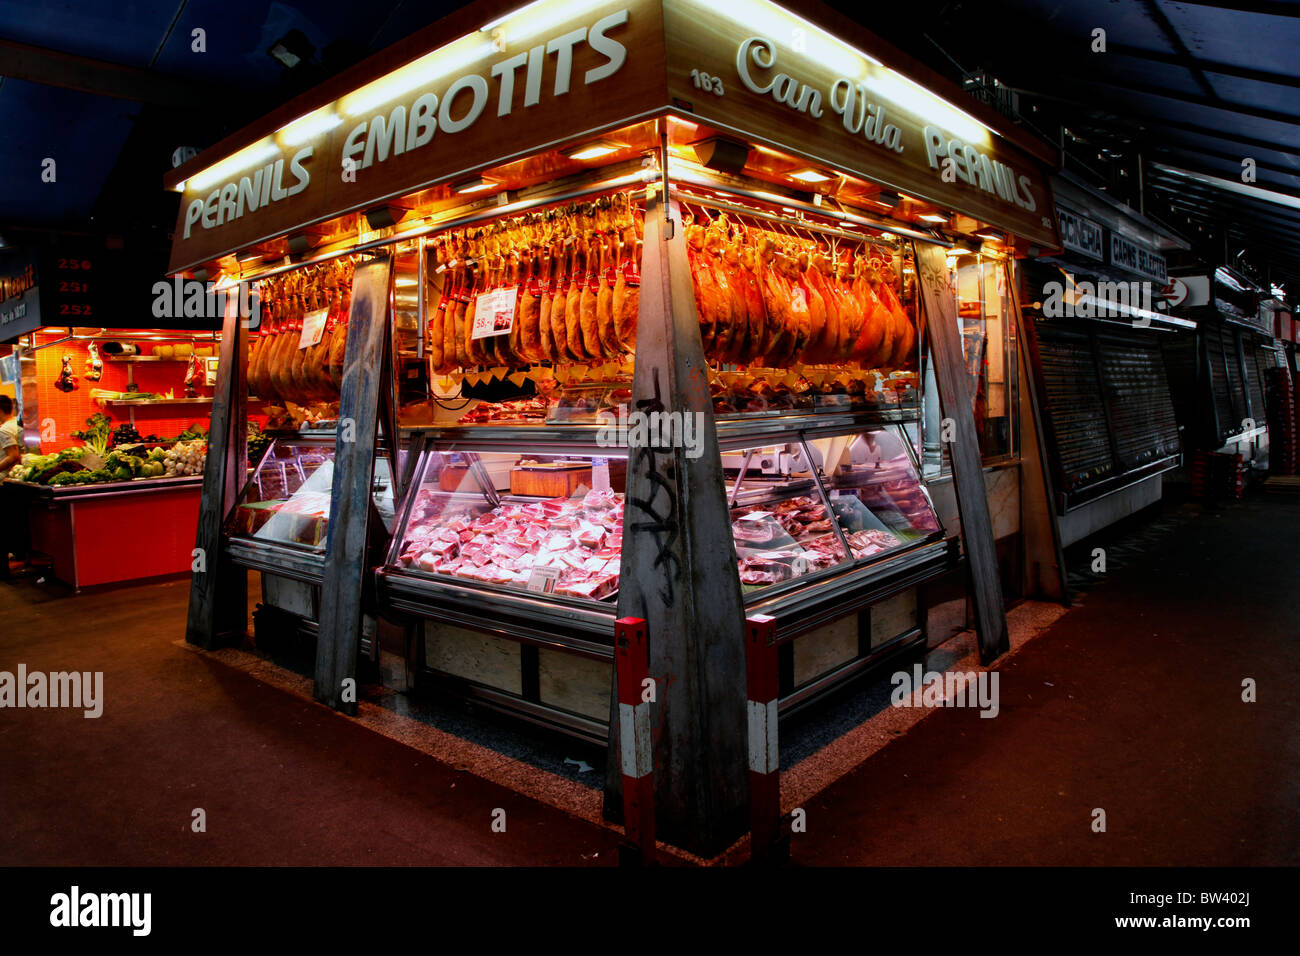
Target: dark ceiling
1190	86
112	150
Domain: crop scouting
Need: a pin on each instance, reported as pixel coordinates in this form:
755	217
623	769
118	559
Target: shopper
13	512
11	442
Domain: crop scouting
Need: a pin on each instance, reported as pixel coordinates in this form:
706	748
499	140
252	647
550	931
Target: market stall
654	336
114	419
1106	352
1222	395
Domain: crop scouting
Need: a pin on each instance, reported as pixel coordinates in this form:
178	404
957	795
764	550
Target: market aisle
1130	703
281	781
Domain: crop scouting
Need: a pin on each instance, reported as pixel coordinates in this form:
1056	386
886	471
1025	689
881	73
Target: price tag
600	474
543	580
494	313
313	324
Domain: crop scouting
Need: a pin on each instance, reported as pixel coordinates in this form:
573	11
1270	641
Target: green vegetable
63	478
122	473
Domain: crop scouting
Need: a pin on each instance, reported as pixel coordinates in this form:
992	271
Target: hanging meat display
765	298
773	299
574	273
281	369
563	288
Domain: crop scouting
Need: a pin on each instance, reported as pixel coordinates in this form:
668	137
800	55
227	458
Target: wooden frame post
218	608
964	450
679	569
350	493
1044	574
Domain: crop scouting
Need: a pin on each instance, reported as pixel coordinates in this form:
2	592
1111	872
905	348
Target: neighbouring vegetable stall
114	417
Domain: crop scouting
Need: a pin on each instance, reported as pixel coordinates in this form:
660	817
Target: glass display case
810	508
285	506
550	524
541	530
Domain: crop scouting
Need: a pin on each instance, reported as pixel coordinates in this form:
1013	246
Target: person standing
13	507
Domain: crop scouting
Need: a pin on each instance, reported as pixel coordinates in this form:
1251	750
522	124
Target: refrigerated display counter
512	538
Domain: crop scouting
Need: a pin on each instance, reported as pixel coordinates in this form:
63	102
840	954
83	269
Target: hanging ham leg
546	338
605	301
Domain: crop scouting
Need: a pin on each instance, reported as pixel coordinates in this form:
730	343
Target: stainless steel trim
856	237
805	695
1086	496
740	477
732	185
112	489
262	556
478	211
732	432
486	608
853	588
544	715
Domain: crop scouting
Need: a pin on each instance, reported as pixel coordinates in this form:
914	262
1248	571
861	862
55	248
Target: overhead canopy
1171	95
496	82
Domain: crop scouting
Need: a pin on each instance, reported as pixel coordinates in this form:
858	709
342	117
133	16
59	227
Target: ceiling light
248	255
309	126
445	61
959	251
810	176
989	236
291	49
1254	192
887	199
761	18
301	243
591	150
475	185
180	186
404	282
916	99
245	159
932	217
721	154
381	217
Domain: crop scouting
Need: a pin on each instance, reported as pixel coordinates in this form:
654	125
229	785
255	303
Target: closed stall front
1105	351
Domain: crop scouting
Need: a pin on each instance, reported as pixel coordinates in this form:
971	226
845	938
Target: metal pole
632	659
765	843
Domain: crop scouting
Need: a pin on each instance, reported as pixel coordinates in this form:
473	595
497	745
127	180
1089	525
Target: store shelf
157	401
141	359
